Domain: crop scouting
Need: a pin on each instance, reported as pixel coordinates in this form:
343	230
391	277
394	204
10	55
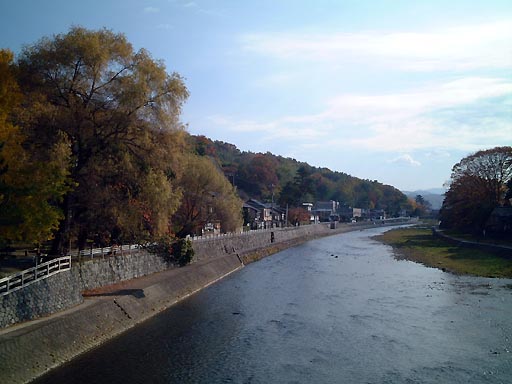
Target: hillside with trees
291	182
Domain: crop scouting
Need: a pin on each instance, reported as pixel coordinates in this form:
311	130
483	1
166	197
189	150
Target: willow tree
118	111
29	189
478	185
208	197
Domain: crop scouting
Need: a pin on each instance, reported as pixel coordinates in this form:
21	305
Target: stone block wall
44	297
114	269
64	290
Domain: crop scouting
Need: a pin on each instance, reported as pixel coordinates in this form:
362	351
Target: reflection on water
334	310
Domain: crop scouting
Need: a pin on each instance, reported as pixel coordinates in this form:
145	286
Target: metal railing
28	276
106	251
211	236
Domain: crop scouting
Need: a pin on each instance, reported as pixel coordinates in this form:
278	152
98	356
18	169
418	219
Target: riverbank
418	245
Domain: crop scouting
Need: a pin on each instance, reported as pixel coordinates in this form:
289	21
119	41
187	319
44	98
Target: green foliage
173	250
183	252
420	207
419	245
209	197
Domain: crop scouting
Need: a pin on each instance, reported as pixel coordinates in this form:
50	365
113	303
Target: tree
29	188
297	216
420	206
301	189
508	195
258	175
478	185
419	200
118	111
209	197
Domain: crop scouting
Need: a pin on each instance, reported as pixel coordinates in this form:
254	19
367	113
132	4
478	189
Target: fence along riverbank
29	276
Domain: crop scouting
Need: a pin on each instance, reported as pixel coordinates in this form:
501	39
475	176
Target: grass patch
417	244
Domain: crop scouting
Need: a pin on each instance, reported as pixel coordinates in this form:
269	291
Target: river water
339	309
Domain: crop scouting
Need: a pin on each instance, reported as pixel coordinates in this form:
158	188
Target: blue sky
397	91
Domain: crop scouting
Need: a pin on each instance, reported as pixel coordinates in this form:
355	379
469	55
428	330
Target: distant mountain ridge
434	196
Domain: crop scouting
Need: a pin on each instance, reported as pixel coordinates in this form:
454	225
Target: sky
388	90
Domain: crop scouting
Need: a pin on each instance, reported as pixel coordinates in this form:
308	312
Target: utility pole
272	207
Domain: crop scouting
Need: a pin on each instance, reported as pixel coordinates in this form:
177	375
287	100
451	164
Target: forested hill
259	175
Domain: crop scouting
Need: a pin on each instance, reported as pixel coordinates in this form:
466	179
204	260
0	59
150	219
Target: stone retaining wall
248	242
63	290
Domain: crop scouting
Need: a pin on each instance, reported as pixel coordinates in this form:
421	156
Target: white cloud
467	111
400	105
402	122
405	159
456	48
272	130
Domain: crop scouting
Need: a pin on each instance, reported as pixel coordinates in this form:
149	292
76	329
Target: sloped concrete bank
30	349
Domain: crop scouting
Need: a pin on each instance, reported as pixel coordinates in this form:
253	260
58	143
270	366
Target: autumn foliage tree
298	215
258	175
29	189
478	185
117	111
209	197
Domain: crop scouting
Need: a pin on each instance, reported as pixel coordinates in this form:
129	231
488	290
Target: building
258	215
326	210
500	221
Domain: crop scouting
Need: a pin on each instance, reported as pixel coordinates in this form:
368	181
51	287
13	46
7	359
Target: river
339	309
